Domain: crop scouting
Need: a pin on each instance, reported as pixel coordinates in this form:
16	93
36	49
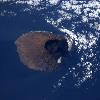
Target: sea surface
79	77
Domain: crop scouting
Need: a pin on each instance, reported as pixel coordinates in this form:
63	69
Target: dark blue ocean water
17	82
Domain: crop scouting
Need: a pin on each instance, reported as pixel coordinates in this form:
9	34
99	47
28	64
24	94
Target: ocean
79	77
